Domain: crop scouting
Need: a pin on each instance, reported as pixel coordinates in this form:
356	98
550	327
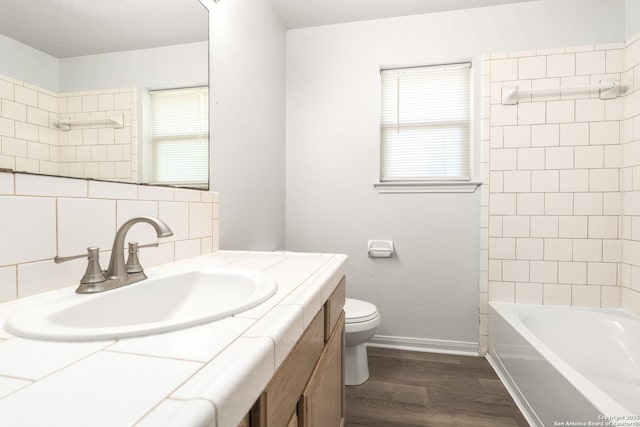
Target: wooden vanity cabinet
322	402
307	390
334	308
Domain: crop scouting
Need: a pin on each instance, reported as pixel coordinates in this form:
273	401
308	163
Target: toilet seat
357	311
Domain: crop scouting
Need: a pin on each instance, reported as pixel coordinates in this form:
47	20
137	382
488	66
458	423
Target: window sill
427	186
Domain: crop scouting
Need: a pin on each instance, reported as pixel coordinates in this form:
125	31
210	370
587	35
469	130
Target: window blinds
180	136
425	125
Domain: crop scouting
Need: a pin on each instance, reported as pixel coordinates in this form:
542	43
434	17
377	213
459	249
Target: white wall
27	64
247	123
430	290
163	67
158	68
632	13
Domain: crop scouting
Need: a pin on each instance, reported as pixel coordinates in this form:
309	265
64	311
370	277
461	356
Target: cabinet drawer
285	388
334	305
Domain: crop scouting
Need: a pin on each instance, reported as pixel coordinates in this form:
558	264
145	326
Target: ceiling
65	28
309	13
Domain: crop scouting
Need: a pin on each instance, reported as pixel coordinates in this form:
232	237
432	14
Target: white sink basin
161	303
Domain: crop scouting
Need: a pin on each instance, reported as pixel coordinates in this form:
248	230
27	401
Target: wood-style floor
409	389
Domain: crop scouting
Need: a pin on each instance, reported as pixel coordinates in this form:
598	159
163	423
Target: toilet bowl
361	323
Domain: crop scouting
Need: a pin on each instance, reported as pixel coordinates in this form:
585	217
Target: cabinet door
245	422
321	404
335	304
283	391
293	422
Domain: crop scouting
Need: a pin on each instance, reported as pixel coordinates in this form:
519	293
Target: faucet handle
61	259
94	273
133	262
149	245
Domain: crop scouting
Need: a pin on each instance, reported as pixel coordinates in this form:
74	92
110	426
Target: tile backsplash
559	198
41	217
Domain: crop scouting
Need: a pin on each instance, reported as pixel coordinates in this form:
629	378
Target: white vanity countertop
208	375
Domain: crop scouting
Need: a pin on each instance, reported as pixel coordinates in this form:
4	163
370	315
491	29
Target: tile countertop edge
254	358
233	381
180	413
224	389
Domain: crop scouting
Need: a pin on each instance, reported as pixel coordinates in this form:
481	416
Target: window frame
430	185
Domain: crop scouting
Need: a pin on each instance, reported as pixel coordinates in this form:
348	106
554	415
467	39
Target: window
180	136
425	126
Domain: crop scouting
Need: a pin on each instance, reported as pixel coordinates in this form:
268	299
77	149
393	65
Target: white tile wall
30	141
42	217
630	282
27	139
490	226
176	213
127	209
556	167
8	289
42	276
187	249
199	214
85	222
98	151
27	227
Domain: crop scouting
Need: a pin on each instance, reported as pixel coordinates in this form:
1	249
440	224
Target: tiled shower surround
630	271
559	200
28	141
41	217
99	151
31	142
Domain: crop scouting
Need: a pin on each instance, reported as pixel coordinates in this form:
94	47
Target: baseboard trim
425	345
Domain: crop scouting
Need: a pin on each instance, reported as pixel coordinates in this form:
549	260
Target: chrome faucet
119	273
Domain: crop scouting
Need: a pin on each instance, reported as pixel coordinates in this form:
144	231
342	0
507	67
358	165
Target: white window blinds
425	126
180	136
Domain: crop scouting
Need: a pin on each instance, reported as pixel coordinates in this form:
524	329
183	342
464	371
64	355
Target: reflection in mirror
78	81
179	137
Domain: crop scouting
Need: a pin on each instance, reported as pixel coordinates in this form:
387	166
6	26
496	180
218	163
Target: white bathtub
568	364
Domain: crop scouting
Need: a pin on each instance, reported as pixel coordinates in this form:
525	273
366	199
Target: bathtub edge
513	390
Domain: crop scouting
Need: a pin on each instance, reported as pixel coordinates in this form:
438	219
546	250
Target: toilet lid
359	311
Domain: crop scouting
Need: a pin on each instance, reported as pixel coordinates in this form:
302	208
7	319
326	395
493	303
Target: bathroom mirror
106	89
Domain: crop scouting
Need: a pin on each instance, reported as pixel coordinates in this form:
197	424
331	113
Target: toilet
362	320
